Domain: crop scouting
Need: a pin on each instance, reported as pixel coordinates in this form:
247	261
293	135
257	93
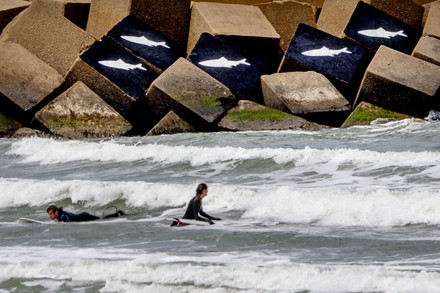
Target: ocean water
337	210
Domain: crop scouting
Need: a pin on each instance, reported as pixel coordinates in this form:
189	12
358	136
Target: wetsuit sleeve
206	215
197	207
64	218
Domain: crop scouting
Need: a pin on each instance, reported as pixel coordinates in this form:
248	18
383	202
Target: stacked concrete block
10	9
336	14
401	83
171	123
239	70
24	78
170	17
249	116
340	60
366	113
428	49
191	93
156	50
372	28
44	31
242	25
115	74
286	15
302	93
432	24
79	112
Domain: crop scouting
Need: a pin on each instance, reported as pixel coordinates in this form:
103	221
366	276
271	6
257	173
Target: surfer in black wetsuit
62	216
195	207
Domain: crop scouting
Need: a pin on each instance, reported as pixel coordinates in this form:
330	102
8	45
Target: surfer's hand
210	222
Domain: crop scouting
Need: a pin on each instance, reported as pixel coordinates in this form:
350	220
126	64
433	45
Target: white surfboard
32	221
189	222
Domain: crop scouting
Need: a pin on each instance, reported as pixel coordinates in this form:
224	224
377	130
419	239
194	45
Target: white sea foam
48	151
134	271
322	206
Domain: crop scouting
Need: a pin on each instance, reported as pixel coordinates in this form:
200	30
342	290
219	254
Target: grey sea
337	210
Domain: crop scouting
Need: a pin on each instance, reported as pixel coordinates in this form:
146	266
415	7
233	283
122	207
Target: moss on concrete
239	115
366	113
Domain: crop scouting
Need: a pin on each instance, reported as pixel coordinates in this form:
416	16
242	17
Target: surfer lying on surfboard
195	207
63	216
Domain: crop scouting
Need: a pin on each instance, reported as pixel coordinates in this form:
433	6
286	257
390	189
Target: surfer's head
52	211
201	191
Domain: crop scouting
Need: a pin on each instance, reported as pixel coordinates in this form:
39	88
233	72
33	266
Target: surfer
194	207
63	216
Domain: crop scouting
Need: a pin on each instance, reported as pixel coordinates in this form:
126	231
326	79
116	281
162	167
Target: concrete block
250	116
239	70
242	25
285	17
246	2
156	50
366	113
44	31
79	112
372	28
10	9
302	92
336	14
24	78
116	75
8	124
191	93
169	17
432	24
341	61
400	83
428	49
171	123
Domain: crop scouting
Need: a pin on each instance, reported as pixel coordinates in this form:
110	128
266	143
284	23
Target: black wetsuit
64	216
194	209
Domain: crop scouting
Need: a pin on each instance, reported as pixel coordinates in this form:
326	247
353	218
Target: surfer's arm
64	218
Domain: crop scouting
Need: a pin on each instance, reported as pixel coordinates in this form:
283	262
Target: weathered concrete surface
250	116
24	78
336	14
285	17
10	9
29	132
365	113
79	112
171	123
170	17
243	25
302	92
401	83
190	92
432	24
428	49
8	125
246	2
43	30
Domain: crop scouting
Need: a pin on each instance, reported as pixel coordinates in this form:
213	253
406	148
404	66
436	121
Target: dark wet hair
52	208
200	188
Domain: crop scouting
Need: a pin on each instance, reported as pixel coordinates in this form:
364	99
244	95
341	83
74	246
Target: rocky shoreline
106	68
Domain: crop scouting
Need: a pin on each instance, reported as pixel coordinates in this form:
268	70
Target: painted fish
144	41
223	62
381	33
121	64
324	51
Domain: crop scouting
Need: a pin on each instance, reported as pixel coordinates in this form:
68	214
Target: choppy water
339	210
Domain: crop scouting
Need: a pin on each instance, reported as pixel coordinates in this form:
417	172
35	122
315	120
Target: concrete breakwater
96	68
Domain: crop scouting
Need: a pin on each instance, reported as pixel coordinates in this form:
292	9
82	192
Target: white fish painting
144	41
121	64
223	62
324	52
381	33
